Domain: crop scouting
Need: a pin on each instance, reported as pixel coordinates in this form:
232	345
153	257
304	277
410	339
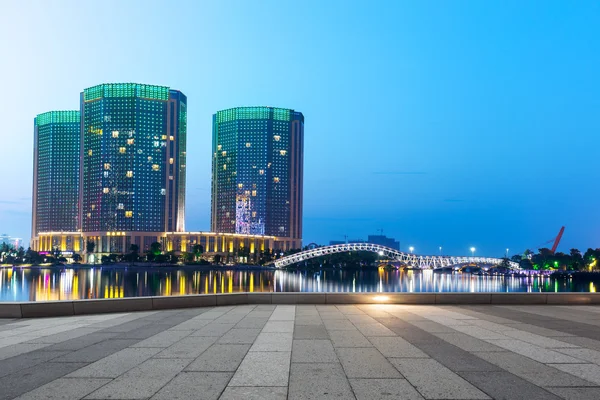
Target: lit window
105	190
240	185
171	160
164	137
106	174
269	165
261	171
247	193
163	191
277	138
90	153
115	134
283	152
223	153
120	206
106	166
248	144
130	141
93	207
218	147
276	179
254	193
89	215
129	174
149	158
171	138
224	166
122	150
253	213
128	214
155	167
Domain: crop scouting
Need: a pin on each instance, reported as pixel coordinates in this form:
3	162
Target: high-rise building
257	172
56	166
133	162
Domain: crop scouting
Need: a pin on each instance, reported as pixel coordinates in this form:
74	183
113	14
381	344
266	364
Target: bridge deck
297	352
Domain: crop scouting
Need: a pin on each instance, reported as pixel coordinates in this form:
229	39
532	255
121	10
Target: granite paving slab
276	352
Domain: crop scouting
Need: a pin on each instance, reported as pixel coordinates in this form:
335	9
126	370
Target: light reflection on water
23	284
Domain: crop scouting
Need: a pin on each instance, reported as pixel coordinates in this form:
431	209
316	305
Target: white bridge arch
412	260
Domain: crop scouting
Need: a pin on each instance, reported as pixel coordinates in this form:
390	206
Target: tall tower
257	172
133	159
56	167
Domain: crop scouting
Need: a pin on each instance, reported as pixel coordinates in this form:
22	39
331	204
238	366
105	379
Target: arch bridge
412	260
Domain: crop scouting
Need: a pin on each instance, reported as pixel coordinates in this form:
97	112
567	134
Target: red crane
557	239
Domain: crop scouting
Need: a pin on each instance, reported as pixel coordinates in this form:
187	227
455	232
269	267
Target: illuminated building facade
133	160
257	171
56	167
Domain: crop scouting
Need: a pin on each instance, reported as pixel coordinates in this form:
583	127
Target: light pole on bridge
472	251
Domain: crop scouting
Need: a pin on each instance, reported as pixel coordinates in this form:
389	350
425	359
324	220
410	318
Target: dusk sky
444	123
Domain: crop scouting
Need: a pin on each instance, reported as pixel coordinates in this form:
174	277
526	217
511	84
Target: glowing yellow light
381	299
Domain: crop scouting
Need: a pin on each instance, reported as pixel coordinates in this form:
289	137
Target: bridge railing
412	260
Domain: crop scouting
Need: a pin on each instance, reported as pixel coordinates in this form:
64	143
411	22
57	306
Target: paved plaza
307	352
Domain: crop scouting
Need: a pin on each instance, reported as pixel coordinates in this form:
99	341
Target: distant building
257	171
383	240
56	168
13	241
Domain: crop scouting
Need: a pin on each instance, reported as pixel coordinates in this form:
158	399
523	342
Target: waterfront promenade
307	352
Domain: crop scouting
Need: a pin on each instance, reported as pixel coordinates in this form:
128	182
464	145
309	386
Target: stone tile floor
307	352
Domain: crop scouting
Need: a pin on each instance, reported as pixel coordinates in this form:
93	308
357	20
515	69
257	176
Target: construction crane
555	241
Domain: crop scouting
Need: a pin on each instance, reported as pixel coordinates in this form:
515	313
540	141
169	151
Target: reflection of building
56	150
257	172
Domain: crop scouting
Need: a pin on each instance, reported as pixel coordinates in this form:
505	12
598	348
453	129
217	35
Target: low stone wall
78	307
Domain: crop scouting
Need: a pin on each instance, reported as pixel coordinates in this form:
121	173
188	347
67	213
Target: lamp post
472	251
411	249
440	251
507	253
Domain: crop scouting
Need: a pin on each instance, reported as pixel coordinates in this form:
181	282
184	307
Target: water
35	284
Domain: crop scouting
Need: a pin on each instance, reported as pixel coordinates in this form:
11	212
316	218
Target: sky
442	123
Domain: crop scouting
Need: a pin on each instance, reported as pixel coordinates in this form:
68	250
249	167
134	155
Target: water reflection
23	284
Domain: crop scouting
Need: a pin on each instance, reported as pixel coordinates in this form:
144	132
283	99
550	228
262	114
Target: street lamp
440	250
411	249
472	251
507	253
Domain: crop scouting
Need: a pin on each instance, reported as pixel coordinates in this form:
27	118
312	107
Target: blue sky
444	123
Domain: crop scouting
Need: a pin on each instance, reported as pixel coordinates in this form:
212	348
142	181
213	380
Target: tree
198	250
134	248
76	258
155	248
516	258
217	259
90	246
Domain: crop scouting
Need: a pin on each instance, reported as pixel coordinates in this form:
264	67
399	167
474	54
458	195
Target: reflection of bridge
411	260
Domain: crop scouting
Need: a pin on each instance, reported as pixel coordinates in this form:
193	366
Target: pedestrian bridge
412	260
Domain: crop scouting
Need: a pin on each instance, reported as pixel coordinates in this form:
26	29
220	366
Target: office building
257	171
383	240
133	163
56	168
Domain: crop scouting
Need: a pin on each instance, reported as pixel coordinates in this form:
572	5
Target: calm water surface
31	284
